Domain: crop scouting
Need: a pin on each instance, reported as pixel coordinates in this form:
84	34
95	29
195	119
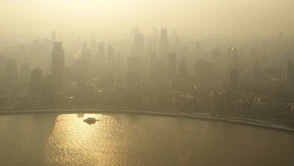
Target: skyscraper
229	51
36	83
234	55
110	54
132	77
101	50
57	66
163	42
183	70
86	53
256	70
25	73
289	78
134	65
11	72
215	54
138	47
198	49
234	79
172	66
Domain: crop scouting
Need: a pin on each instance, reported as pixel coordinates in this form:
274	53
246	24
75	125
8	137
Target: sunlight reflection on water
120	139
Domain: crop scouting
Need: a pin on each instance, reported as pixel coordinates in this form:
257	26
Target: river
134	140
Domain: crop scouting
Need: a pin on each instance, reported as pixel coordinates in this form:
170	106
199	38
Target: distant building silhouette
57	66
138	47
204	71
234	79
254	55
25	73
215	54
86	53
110	54
134	65
289	77
234	55
163	42
134	69
233	62
172	66
256	70
36	83
68	75
53	36
198	49
101	50
11	72
183	70
229	53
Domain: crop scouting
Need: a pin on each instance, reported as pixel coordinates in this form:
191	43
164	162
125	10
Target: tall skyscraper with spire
57	66
138	47
163	42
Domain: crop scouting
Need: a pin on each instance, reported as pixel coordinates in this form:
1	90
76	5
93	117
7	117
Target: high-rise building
36	83
2	65
25	73
163	42
134	65
57	66
101	50
138	47
132	77
120	68
175	33
198	49
11	72
229	53
215	54
254	55
234	55
289	78
204	71
68	75
110	54
53	36
172	66
94	48
256	70
234	79
233	62
183	69
86	53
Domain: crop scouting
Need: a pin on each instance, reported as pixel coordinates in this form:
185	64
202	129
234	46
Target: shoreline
199	116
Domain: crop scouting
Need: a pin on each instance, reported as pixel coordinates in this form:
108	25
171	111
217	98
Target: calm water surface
133	140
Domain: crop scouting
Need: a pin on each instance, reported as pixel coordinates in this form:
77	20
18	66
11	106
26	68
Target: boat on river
90	120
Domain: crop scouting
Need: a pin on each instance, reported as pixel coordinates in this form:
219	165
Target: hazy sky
118	16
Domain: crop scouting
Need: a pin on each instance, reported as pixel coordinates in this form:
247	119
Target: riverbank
199	116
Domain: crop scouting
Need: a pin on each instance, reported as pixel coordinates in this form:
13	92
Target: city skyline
113	18
141	82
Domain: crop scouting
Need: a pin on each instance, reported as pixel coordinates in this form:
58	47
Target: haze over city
109	18
146	82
